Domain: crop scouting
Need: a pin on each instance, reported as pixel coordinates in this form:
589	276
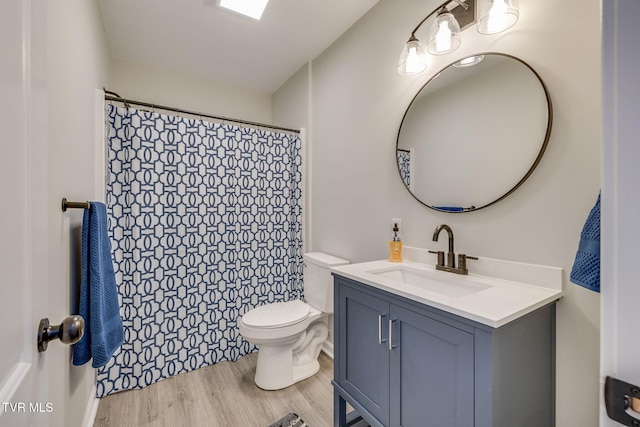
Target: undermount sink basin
436	281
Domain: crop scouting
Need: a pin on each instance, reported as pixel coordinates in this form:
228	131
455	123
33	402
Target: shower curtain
404	166
205	221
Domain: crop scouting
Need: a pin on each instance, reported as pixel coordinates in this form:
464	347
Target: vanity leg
339	410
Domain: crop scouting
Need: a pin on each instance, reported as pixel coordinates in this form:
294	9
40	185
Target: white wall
294	113
357	102
292	101
77	65
143	83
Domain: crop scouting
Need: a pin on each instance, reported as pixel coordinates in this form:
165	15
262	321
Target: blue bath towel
586	267
99	305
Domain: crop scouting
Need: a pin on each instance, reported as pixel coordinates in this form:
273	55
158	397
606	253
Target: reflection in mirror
472	135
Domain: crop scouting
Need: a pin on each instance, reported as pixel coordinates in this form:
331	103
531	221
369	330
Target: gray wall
150	84
356	102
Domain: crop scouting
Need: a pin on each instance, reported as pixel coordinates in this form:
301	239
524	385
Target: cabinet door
363	355
432	371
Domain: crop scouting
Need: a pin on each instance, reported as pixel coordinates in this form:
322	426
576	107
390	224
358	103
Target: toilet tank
318	282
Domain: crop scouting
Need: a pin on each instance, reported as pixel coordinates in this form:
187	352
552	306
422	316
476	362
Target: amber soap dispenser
395	245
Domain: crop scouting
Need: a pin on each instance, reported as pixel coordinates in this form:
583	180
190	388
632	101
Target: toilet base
272	375
303	372
291	361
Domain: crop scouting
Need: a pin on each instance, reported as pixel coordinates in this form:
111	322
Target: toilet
289	335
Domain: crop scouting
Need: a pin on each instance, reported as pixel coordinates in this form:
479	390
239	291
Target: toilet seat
277	315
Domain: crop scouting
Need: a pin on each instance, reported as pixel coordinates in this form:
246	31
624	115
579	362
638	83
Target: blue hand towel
586	267
450	208
99	305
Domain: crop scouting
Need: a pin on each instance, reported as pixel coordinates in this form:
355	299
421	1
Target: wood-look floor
221	395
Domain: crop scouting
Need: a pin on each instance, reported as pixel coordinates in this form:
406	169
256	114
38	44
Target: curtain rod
126	102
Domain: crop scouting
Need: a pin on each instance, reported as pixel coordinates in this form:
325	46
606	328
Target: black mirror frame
534	164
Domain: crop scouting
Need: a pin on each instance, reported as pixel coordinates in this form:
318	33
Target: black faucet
451	260
451	256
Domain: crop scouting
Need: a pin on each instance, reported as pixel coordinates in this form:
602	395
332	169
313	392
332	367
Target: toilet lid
277	314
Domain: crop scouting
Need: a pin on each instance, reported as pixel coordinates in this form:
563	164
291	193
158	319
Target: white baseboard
92	409
327	348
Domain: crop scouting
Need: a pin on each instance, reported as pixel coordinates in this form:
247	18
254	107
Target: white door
620	245
23	232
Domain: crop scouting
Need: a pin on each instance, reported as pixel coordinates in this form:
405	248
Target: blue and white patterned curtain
404	166
206	223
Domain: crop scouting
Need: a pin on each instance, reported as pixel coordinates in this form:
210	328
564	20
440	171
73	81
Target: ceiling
198	38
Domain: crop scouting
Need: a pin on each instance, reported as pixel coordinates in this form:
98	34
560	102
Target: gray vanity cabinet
431	363
364	357
401	363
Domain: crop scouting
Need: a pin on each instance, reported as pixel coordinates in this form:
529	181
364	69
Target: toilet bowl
289	335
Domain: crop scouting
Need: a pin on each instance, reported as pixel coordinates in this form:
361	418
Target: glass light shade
413	59
444	35
495	16
469	61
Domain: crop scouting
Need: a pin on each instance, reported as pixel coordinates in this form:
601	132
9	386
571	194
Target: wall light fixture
493	16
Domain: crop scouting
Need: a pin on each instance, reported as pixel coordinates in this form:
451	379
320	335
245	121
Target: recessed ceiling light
250	8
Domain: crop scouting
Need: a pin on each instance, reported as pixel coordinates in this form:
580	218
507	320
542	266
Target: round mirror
473	134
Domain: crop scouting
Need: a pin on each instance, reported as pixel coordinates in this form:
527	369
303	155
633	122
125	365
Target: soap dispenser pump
395	245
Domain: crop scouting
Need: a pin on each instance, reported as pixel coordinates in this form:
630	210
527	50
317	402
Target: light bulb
497	15
413	59
443	37
414	63
497	18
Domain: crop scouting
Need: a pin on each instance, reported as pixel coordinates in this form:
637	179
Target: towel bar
73	205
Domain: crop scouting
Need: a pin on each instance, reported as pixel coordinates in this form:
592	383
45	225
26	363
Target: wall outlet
399	222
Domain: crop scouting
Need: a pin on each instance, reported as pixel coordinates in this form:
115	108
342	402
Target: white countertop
498	303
